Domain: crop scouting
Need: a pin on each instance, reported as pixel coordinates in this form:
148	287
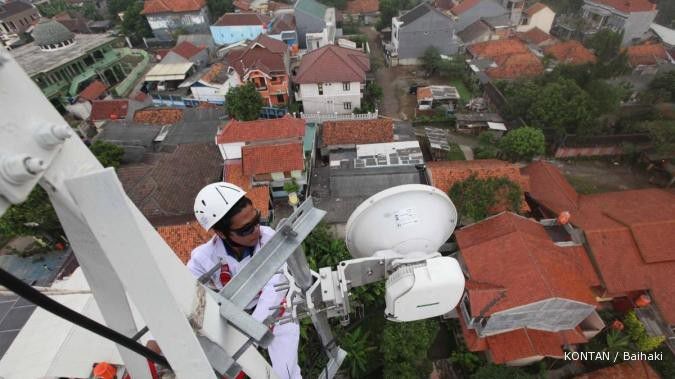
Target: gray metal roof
197	126
15	7
48	32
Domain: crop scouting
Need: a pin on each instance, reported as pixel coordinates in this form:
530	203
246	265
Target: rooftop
647	54
172	6
164	188
464	6
311	7
198	125
534	36
242	19
534	8
362	6
15	7
333	63
270	158
512	57
629	233
34	60
109	109
357	132
259	195
570	52
158	116
264	54
283	22
261	130
93	91
473	31
625	370
627	6
183	237
417	12
667	35
187	50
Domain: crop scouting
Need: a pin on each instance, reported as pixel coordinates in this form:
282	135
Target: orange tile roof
172	6
535	36
183	238
647	54
552	189
464	6
512	57
213	72
424	93
158	116
93	91
630	234
187	50
629	6
261	130
625	370
266	159
357	132
109	109
572	52
514	262
259	195
242	5
333	63
536	7
362	6
444	174
242	19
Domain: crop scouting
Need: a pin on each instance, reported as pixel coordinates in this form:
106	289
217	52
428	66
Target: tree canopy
33	217
523	144
606	44
404	348
243	103
135	25
110	155
390	8
479	198
218	8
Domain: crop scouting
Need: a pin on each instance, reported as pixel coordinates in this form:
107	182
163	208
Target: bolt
19	169
50	136
370	271
34	165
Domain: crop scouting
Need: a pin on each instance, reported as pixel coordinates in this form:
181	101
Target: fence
322	117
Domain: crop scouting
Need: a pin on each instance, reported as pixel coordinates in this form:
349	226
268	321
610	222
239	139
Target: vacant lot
596	176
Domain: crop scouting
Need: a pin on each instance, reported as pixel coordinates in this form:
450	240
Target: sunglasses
249	228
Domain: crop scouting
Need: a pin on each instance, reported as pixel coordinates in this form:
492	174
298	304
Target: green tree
372	95
89	11
665	83
606	43
110	155
218	8
493	371
606	98
431	60
54	7
638	334
390	8
33	217
243	103
135	26
466	361
479	198
662	134
487	146
561	105
404	348
117	6
523	144
358	346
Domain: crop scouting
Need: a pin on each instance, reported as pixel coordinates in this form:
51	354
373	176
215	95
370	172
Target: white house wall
333	98
231	150
542	20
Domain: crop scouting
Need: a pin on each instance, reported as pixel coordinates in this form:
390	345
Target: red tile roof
357	132
536	7
261	130
243	5
444	4
183	238
158	116
571	52
259	195
513	58
93	91
629	6
626	370
512	262
464	6
535	36
331	64
264	54
630	234
242	19
647	54
551	189
172	6
444	174
109	109
266	159
362	6
187	50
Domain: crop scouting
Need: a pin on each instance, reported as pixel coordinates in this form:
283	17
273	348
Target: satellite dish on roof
411	219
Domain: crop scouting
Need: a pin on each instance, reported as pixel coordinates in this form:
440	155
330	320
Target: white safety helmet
214	201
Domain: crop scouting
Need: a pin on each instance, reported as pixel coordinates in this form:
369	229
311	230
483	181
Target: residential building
632	17
479	31
283	28
15	18
434	96
62	63
648	56
504	59
331	80
236	27
179	63
96	90
316	24
336	135
264	63
467	12
73	22
364	11
167	16
275	165
104	110
529	290
537	16
214	84
234	135
476	123
418	29
629	239
514	9
665	35
570	52
536	38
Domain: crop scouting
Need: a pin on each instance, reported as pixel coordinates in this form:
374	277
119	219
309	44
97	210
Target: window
347	105
320	85
345	86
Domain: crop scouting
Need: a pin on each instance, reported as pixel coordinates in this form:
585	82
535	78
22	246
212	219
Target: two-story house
537	16
315	23
467	12
527	287
236	27
167	16
631	17
418	29
15	18
263	62
270	152
331	80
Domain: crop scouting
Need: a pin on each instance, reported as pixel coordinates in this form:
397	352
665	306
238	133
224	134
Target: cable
45	302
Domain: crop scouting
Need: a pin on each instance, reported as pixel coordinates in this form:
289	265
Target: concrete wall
225	35
542	20
333	98
163	24
486	8
306	23
433	29
637	25
231	150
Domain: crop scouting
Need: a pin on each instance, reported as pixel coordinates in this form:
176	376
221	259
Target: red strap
225	274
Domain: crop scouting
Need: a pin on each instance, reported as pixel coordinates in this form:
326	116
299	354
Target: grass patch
586	186
464	92
455	153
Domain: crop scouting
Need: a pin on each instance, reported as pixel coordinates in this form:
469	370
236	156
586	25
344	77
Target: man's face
248	220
